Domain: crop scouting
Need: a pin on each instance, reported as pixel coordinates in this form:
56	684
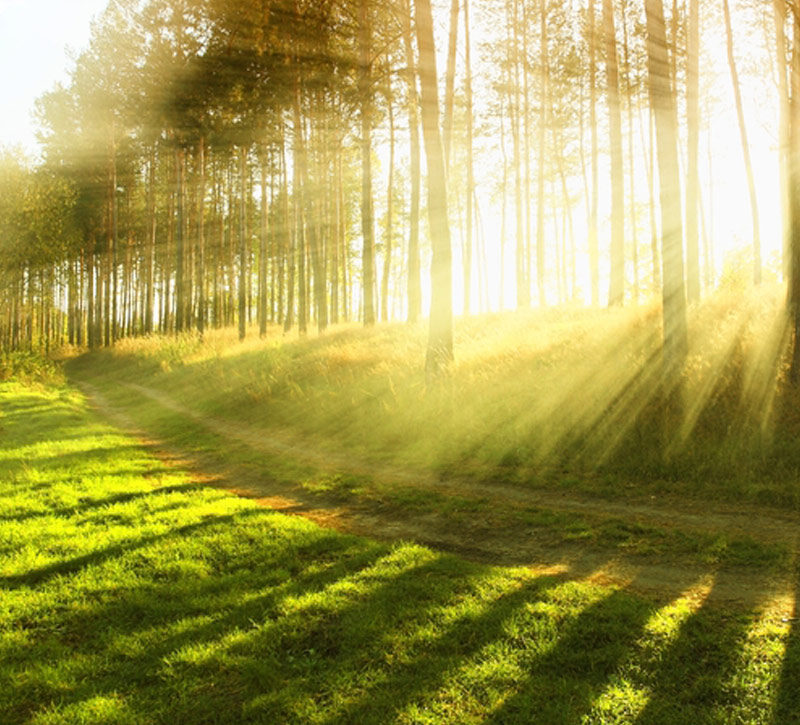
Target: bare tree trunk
594	256
367	220
779	8
243	246
631	155
662	99
180	307
748	165
414	284
440	337
692	165
793	295
262	253
201	240
387	260
616	294
470	164
450	82
543	121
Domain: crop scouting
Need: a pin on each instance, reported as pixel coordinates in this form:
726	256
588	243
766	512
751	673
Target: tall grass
571	395
30	367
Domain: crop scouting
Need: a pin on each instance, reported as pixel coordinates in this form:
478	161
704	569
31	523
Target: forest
298	164
414	361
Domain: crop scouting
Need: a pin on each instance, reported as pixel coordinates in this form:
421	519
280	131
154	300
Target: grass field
130	592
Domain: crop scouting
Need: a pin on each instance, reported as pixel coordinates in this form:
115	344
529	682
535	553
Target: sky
34	36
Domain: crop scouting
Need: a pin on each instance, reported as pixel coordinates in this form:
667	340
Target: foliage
30	367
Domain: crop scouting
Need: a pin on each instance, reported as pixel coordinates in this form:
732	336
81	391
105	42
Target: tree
662	100
748	164
617	278
693	141
440	336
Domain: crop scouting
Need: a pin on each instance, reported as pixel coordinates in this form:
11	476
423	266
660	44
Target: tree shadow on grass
699	677
562	683
232	602
787	703
88	504
65	567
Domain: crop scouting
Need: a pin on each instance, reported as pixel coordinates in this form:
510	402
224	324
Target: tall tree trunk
387	263
180	292
367	221
616	293
748	165
450	83
243	246
523	288
662	99
543	120
262	252
440	337
631	155
201	238
793	295
594	256
693	142
414	282
779	14
470	164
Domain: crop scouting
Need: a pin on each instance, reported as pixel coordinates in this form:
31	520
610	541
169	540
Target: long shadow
787	702
90	504
260	594
692	678
562	684
74	565
437	661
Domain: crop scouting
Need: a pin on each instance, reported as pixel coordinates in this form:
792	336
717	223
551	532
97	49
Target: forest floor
739	556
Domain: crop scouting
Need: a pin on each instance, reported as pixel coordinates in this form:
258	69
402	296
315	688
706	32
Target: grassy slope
132	595
540	398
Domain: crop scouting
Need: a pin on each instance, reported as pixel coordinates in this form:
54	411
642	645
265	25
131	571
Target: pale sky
34	35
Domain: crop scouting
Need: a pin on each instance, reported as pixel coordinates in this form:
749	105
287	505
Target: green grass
555	397
130	594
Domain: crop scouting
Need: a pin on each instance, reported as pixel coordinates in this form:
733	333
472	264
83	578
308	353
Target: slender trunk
262	254
631	155
748	165
523	290
779	13
367	222
470	164
594	256
243	246
387	263
793	294
180	294
450	83
440	338
201	239
616	293
692	165
543	120
414	283
662	98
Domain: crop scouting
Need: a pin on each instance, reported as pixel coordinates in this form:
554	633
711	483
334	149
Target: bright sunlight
422	361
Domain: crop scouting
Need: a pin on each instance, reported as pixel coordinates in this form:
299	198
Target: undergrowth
570	396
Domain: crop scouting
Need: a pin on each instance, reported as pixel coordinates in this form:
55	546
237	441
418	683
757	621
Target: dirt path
486	537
